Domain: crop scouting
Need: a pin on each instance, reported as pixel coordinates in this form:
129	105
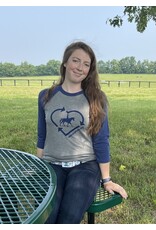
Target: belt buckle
70	164
67	164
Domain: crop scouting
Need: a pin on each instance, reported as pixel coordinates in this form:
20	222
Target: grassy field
132	118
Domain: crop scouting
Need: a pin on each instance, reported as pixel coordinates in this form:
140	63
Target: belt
68	164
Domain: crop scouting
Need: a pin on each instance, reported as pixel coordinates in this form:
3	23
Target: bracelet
103	181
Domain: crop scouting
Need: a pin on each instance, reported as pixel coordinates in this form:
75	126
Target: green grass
132	127
18	118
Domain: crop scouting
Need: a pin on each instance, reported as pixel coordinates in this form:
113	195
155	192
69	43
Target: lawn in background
132	119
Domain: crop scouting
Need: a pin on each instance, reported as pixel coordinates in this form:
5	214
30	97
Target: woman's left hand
112	187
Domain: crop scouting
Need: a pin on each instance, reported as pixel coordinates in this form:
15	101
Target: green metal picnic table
27	188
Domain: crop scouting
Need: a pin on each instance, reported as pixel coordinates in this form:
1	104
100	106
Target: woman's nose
80	66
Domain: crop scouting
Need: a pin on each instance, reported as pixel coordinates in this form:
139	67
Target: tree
26	69
53	67
128	65
7	69
100	66
140	15
41	70
115	67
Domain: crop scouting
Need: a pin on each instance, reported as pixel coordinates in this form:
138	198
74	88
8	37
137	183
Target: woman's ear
64	64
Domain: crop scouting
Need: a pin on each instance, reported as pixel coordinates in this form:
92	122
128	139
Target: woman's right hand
39	153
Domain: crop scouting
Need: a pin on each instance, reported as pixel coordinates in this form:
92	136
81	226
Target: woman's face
77	66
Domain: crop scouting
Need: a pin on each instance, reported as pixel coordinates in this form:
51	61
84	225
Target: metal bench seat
102	201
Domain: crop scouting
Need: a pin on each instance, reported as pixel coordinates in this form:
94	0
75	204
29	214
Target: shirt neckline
70	94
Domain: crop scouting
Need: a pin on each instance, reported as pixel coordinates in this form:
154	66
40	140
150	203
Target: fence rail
45	82
130	83
25	82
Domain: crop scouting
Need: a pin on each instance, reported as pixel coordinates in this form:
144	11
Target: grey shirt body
67	118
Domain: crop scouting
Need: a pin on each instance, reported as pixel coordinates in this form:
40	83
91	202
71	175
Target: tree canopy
126	65
140	15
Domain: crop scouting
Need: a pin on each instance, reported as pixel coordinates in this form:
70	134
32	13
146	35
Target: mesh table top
27	188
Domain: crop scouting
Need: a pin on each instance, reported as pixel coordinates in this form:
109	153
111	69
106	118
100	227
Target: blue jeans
76	188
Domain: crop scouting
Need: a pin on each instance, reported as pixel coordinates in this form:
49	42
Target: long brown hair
90	85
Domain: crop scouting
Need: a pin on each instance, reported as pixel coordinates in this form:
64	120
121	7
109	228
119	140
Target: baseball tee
62	129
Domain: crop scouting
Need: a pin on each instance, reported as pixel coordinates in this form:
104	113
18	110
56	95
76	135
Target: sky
37	34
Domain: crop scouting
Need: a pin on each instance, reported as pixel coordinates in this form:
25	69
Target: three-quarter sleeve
101	144
41	121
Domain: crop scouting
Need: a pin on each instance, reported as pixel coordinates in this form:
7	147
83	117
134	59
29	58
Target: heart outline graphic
65	124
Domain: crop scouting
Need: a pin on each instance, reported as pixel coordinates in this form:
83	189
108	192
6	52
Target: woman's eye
87	65
74	60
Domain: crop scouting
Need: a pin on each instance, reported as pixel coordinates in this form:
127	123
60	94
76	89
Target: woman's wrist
105	180
39	152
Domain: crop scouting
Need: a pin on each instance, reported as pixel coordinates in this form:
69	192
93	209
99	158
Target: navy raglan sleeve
41	121
101	144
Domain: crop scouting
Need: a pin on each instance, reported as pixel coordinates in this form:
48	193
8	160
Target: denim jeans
76	188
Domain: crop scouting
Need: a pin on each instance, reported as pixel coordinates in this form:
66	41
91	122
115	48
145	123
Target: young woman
73	135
